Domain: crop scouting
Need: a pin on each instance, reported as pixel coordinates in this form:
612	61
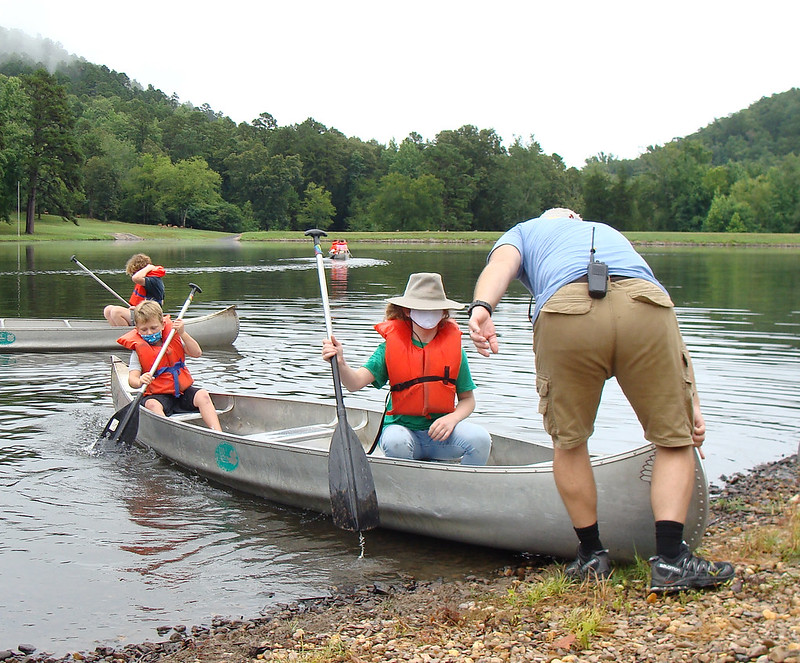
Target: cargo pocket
640	290
688	382
545	408
571	299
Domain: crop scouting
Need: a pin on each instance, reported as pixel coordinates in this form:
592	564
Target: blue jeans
469	442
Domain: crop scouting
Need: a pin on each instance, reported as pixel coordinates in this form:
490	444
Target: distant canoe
339	251
54	335
277	449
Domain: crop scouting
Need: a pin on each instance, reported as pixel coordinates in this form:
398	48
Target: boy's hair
136	262
147	310
395	312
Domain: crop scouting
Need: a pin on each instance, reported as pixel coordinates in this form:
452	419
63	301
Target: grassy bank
53	228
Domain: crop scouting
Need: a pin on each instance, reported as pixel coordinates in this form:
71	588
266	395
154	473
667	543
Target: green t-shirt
376	365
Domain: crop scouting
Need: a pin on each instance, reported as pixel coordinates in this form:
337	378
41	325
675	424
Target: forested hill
766	131
83	140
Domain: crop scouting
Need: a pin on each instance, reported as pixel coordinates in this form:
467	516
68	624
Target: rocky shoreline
529	613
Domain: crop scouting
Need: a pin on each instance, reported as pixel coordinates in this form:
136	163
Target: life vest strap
174	370
425	378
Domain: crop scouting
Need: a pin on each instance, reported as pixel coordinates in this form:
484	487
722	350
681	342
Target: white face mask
426	319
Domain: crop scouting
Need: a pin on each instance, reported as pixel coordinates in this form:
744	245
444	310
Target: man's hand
699	428
482	332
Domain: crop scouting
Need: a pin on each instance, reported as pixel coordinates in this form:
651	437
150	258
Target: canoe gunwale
216	329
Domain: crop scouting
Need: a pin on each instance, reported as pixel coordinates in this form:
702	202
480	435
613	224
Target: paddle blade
354	504
124	424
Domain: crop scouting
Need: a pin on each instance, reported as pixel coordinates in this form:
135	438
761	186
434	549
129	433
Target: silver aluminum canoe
216	329
277	449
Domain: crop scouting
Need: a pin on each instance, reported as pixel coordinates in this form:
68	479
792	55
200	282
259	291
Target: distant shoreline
52	228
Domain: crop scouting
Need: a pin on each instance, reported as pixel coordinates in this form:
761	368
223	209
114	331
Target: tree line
88	141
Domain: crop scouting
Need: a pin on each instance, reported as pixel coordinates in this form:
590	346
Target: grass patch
585	623
781	540
531	594
732	505
55	228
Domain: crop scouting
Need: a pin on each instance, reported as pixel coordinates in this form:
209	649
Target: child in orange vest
171	386
426	367
147	284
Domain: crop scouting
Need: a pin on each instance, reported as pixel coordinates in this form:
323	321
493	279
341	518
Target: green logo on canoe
7	338
227	458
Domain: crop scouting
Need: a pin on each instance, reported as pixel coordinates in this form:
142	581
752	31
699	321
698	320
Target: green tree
53	163
274	191
14	142
408	158
673	185
316	209
406	203
598	201
185	185
103	176
784	184
465	161
530	182
141	198
727	215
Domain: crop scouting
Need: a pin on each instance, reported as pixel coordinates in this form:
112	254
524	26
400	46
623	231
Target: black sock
589	538
669	536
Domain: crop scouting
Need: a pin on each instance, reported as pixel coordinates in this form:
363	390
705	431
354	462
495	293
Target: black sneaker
596	566
687	571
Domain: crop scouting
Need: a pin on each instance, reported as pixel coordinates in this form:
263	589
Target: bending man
625	328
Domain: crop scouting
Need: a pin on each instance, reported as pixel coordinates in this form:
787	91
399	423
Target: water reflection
131	542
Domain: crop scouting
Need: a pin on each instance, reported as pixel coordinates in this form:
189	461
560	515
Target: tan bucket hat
425	292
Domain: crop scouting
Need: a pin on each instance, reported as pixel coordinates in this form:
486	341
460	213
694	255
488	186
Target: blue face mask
152	339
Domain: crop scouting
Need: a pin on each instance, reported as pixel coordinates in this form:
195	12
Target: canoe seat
297	434
189	416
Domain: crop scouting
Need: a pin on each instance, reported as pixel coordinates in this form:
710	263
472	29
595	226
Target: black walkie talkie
598	275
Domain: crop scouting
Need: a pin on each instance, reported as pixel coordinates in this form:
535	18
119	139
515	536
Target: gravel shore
530	613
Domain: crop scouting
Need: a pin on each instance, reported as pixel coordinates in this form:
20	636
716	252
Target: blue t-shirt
376	365
557	251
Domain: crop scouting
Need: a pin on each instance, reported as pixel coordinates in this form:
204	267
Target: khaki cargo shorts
631	334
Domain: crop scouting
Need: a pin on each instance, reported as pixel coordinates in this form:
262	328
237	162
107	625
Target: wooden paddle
354	504
97	278
124	423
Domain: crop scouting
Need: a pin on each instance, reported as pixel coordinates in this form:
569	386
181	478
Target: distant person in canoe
171	388
431	388
600	312
339	249
147	285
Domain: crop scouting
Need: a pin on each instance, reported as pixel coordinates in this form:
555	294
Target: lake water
102	548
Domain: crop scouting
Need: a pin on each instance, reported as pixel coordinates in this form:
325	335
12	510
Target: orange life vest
171	376
422	380
139	292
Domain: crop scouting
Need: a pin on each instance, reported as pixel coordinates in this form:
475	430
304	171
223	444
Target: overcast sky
582	77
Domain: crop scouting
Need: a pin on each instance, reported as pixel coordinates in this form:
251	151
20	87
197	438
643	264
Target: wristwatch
482	304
